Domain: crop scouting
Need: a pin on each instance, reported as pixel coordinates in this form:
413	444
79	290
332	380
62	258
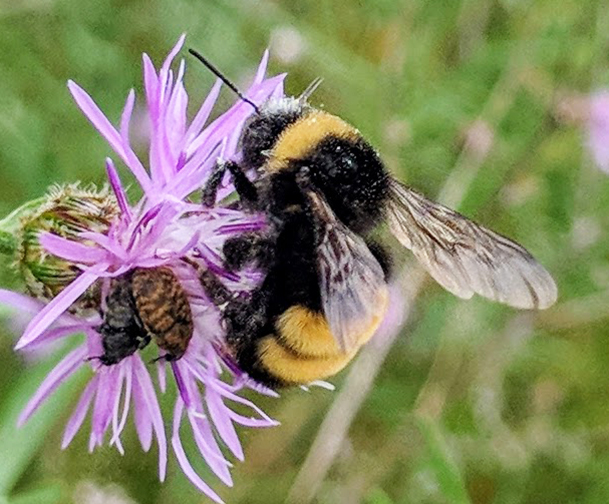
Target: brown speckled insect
145	304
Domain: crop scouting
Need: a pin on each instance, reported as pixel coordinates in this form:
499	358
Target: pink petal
181	383
117	187
260	73
193	173
66	367
151	84
174	120
102	406
598	141
71	250
224	125
127	402
222	421
80	412
126	116
209	449
183	460
233	142
101	123
107	243
56	333
203	114
116	430
55	308
220	388
150	400
172	54
21	301
147	232
242	227
161	374
252	422
206	441
143	423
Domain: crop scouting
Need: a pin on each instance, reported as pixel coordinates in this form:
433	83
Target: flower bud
66	211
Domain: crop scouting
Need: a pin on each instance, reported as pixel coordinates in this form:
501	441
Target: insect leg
210	190
215	290
245	188
248	247
244	316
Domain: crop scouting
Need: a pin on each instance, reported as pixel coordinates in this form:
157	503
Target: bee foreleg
246	189
210	190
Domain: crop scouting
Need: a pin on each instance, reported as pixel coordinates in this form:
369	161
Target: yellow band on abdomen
293	368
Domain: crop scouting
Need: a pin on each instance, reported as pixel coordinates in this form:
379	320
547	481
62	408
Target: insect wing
466	258
352	282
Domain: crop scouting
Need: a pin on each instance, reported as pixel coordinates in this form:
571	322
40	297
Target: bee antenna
221	76
310	89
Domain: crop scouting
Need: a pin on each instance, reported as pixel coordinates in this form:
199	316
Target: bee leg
166	357
210	190
246	189
142	341
244	317
245	320
214	289
248	247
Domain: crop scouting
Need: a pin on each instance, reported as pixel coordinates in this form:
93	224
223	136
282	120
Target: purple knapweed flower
159	230
598	129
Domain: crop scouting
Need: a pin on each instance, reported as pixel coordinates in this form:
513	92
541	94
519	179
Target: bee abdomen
286	367
302	349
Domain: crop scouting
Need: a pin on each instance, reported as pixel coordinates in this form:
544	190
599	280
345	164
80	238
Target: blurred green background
469	101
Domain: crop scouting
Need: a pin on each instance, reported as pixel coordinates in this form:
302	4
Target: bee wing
352	282
466	258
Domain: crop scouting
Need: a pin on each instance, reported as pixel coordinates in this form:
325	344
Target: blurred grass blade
378	496
447	473
49	494
18	446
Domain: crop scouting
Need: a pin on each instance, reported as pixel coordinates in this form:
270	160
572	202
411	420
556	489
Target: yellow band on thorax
303	135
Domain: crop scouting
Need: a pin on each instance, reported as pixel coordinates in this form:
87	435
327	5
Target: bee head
262	130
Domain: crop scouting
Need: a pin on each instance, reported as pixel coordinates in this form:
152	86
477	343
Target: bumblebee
324	189
145	304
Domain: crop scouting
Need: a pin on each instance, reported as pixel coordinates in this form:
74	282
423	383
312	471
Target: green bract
66	211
